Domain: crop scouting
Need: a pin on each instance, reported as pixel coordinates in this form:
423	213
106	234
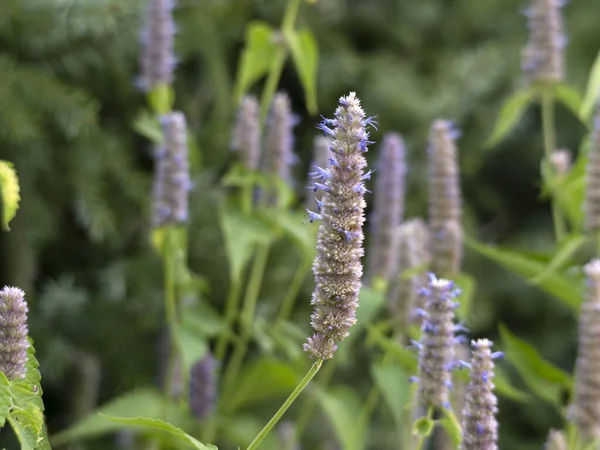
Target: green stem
307	411
549	148
420	441
287	26
247	315
231	306
269	426
287	305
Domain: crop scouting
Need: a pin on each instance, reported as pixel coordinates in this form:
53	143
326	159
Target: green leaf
242	235
450	423
9	193
28	391
569	97
256	58
148	125
264	380
28	425
505	389
305	53
567	289
546	380
294	226
5	398
145	401
342	407
562	257
405	357
423	427
203	320
161	99
512	110
163	426
191	346
591	92
467	285
393	383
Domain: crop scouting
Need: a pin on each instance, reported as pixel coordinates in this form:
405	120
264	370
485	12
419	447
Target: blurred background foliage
80	246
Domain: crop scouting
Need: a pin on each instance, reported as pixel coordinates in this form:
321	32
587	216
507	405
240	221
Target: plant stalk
269	426
287	305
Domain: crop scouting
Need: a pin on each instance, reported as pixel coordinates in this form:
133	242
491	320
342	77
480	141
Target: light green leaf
305	53
569	97
28	391
512	110
9	193
161	99
450	424
546	380
393	383
28	425
565	251
203	320
560	286
256	58
148	125
467	285
191	346
163	426
242	235
342	407
591	92
505	389
145	401
423	427
264	380
5	398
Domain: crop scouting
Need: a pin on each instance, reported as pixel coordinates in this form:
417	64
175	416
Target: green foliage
512	110
9	193
305	54
342	407
591	92
393	383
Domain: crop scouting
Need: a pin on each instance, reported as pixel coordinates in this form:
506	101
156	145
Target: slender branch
269	426
287	305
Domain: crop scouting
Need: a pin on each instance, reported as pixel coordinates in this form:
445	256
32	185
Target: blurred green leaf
569	97
505	389
161	99
163	426
546	380
9	193
305	53
562	257
191	346
591	92
145	401
423	427
259	382
258	54
560	286
5	398
405	357
510	113
467	285
294	226
393	383
203	320
342	407
147	124
452	427
242	235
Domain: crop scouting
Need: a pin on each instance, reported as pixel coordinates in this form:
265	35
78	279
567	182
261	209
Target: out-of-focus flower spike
585	410
172	173
337	267
157	59
203	387
592	189
246	135
556	441
13	333
388	208
445	204
561	162
543	56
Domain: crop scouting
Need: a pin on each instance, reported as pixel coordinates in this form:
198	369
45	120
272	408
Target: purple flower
246	135
157	59
13	333
543	56
172	177
585	410
444	200
479	425
320	163
203	387
337	267
280	140
388	208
